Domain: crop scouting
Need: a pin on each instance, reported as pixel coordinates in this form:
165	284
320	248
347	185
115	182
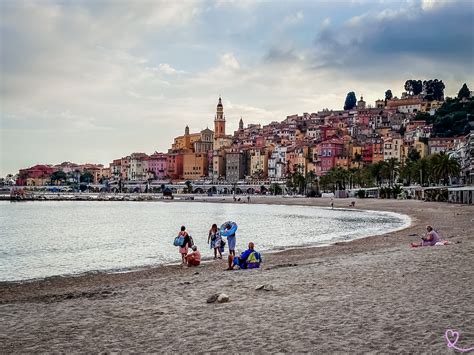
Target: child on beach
214	239
184	249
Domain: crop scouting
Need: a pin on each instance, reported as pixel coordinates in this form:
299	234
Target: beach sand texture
369	295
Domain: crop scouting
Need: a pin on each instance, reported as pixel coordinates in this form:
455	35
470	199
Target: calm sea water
41	239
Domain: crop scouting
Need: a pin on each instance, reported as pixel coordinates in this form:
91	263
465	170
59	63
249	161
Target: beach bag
222	245
254	260
179	241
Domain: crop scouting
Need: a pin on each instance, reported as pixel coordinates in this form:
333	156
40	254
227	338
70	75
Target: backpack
178	241
191	241
254	260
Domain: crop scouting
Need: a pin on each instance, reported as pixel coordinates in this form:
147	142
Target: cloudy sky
90	81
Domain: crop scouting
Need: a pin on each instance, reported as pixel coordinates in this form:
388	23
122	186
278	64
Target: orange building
187	141
377	151
195	166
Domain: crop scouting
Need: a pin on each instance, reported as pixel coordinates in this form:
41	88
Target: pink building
158	165
328	151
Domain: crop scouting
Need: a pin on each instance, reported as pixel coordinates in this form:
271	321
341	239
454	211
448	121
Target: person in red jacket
194	258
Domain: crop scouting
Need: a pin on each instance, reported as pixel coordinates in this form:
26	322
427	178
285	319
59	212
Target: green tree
352	174
377	171
299	181
276	189
87	176
392	165
444	167
407	172
413	155
423	116
189	187
310	179
422	171
464	92
388	95
414	87
434	89
58	176
351	101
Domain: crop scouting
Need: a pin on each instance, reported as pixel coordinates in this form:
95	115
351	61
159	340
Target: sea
64	238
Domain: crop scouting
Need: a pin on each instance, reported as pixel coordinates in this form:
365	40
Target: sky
92	81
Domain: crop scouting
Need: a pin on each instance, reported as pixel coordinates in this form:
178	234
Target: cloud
102	79
400	38
167	69
228	61
293	19
326	23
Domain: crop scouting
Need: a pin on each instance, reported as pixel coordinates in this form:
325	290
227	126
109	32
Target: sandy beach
374	294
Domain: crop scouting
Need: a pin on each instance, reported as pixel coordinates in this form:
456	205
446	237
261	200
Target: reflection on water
40	239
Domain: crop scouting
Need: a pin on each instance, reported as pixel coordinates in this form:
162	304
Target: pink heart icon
452	337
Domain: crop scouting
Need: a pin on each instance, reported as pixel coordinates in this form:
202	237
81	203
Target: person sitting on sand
194	258
249	259
430	239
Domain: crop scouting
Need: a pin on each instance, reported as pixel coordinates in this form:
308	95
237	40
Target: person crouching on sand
430	239
194	258
184	249
249	259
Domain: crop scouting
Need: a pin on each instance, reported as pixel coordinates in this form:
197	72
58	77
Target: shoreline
368	294
407	221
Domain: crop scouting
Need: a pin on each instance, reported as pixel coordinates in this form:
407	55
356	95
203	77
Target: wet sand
372	294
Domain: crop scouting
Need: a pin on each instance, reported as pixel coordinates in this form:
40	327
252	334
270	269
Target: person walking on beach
248	199
332	204
231	241
215	240
183	250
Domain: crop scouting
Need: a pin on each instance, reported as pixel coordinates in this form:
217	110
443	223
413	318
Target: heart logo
452	337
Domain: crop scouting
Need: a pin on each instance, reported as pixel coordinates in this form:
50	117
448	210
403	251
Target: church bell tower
219	121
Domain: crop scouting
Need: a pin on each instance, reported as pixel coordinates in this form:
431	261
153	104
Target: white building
277	163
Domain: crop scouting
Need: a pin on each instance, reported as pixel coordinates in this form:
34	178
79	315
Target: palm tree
377	171
422	170
407	172
310	179
352	173
392	166
445	167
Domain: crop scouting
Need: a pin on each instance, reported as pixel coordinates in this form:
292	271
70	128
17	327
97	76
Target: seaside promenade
372	294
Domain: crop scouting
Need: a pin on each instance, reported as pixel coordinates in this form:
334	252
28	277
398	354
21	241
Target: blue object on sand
228	232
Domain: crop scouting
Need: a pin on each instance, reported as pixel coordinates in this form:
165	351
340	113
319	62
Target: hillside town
393	141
